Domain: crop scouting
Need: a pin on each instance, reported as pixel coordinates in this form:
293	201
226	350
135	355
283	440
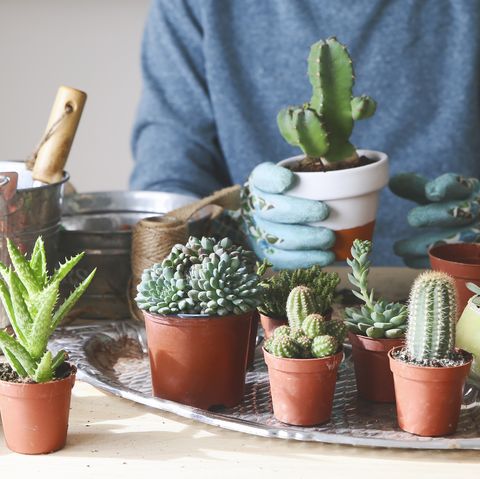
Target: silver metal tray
113	357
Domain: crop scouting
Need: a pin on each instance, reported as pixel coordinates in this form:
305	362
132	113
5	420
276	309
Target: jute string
153	238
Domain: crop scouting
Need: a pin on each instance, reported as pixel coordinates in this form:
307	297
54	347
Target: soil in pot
35	416
429	399
309	165
198	361
372	369
462	261
302	389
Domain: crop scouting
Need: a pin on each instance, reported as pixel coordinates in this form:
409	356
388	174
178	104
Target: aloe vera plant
29	295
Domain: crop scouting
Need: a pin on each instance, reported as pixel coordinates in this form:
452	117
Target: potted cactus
35	384
429	373
198	306
468	331
277	288
302	360
331	169
374	329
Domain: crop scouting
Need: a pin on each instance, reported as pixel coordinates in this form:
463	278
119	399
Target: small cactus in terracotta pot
429	367
303	359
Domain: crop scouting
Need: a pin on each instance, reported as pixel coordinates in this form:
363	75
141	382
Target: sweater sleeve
174	142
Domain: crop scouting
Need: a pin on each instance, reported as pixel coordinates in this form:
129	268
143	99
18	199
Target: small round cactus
284	347
337	329
283	330
300	303
305	344
323	346
314	325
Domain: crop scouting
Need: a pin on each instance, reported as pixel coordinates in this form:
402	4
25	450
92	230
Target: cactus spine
322	128
300	304
324	346
432	313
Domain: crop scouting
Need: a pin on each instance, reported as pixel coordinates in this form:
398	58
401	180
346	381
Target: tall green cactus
322	128
432	313
300	303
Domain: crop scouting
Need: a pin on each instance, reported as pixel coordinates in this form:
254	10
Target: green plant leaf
59	359
65	268
12	360
70	302
44	371
7	304
21	314
40	332
23	269
38	261
16	350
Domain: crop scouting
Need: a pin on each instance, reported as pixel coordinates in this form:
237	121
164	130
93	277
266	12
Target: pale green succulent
29	296
202	277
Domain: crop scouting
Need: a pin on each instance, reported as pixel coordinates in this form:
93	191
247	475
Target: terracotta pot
372	369
428	399
270	324
198	361
252	340
352	195
302	389
462	261
35	416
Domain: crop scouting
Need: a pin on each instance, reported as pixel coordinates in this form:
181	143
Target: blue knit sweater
216	72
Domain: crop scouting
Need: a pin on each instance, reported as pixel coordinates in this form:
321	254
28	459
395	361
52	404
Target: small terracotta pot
462	261
372	369
270	324
252	340
302	389
198	361
428	399
35	416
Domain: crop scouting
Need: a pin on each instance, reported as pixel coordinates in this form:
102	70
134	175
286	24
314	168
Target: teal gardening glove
278	224
448	211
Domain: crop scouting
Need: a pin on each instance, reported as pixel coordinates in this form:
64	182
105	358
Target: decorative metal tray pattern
112	356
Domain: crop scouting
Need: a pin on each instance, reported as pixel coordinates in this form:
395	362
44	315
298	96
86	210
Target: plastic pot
468	336
35	416
302	389
429	399
372	369
199	361
352	195
462	261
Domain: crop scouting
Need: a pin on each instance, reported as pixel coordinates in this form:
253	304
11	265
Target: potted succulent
374	328
331	169
198	306
302	360
277	288
35	385
468	331
429	373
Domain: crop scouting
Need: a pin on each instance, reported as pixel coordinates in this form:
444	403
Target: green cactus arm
44	372
7	304
38	338
286	125
38	261
17	351
363	107
23	269
5	272
312	135
65	268
21	315
70	302
360	266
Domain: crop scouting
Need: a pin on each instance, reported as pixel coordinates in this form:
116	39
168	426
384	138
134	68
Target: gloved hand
276	223
449	205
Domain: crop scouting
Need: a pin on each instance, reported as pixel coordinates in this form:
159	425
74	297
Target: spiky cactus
375	319
324	345
284	347
283	330
337	329
202	277
432	313
300	303
29	295
314	325
322	127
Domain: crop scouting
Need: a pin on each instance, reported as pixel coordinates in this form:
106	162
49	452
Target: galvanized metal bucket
27	212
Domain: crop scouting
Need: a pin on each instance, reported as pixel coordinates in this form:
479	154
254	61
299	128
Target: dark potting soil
457	358
315	165
8	374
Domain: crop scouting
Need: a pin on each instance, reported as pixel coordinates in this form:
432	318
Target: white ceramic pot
468	336
351	194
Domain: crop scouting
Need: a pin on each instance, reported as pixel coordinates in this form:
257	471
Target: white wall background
92	45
